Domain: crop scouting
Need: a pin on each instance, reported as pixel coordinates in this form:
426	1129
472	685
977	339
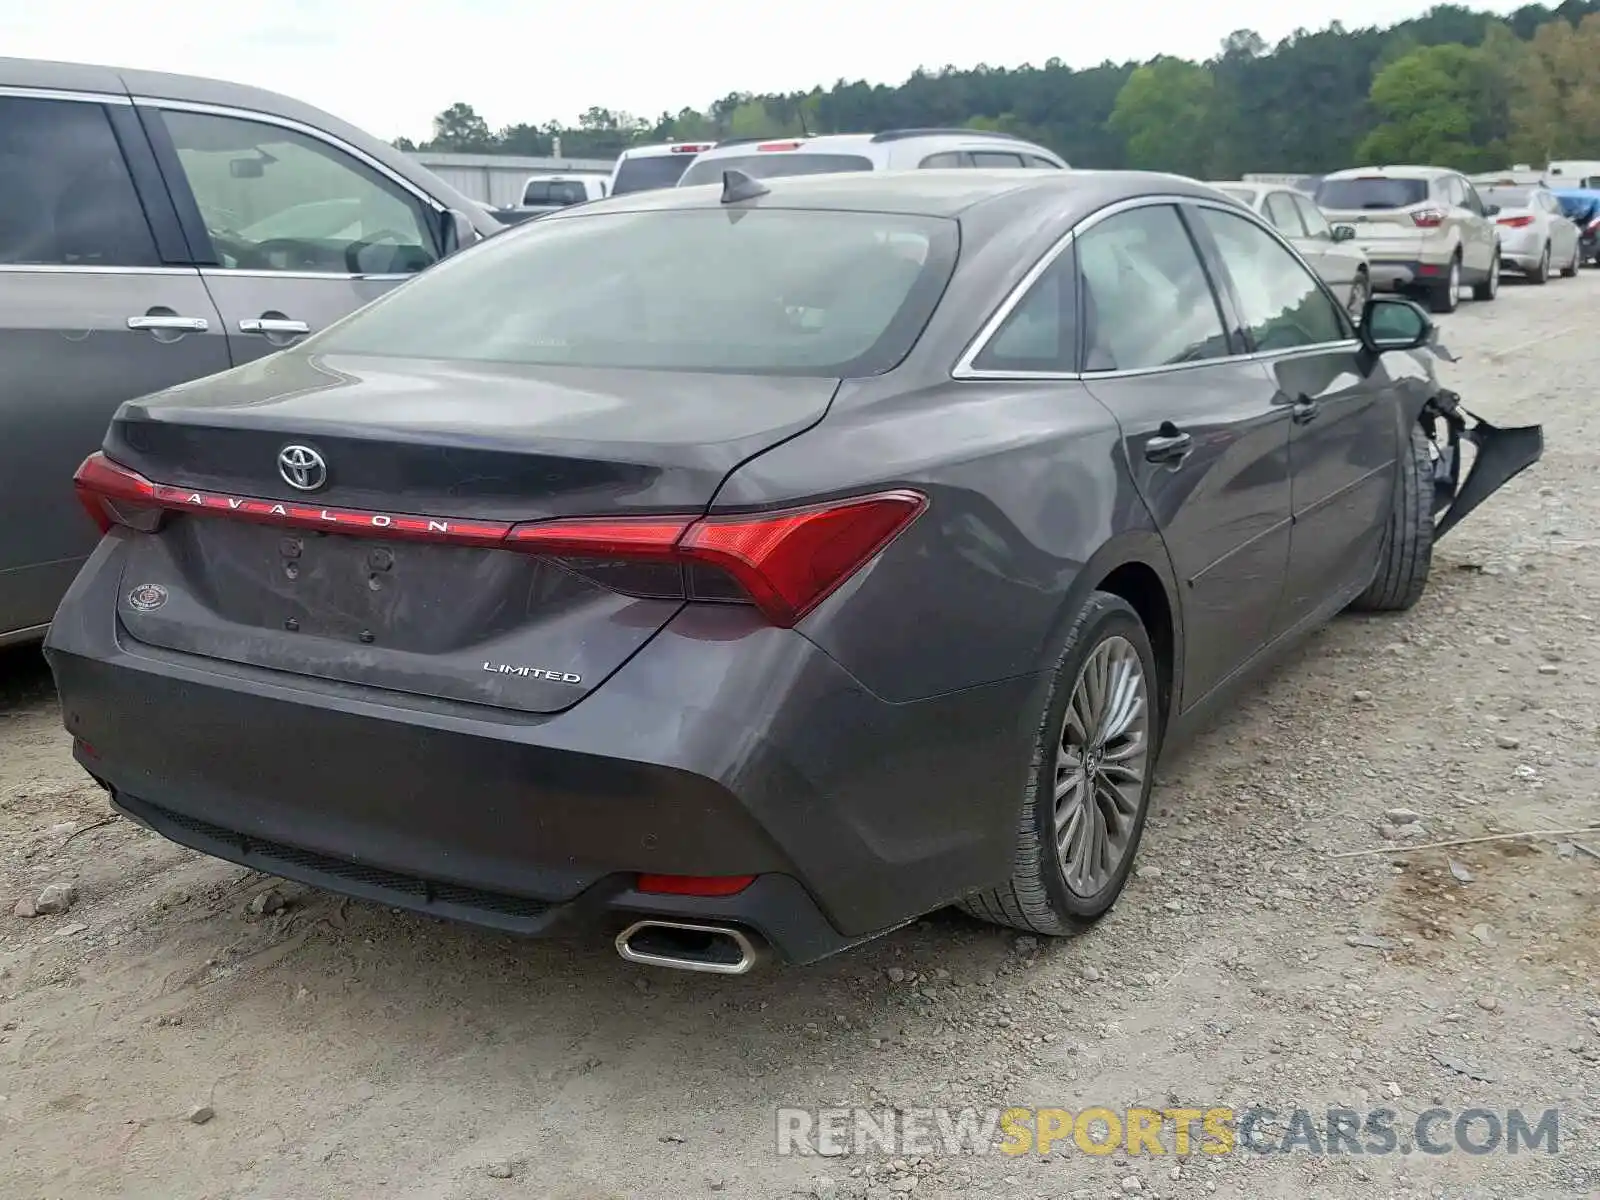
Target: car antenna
737	186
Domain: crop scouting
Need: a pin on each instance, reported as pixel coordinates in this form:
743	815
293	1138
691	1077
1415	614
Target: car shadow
24	677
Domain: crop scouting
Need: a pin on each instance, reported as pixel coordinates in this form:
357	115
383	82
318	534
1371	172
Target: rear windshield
1507	197
764	291
1371	193
773	165
647	172
555	191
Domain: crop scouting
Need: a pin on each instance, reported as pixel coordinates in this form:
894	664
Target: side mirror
1490	210
1344	233
459	232
1395	323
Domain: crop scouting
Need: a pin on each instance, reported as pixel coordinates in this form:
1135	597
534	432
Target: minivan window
773	165
66	198
775	291
560	192
1374	192
647	172
274	199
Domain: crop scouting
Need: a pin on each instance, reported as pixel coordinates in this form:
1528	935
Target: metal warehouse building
497	179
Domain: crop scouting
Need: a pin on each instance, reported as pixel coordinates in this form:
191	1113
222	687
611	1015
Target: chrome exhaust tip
689	946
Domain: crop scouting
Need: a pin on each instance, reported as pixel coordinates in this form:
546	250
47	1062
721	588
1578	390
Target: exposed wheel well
1141	587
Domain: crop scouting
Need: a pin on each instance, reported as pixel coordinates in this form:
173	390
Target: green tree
460	130
1436	106
1166	114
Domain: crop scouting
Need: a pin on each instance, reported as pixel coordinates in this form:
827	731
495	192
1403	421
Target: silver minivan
157	228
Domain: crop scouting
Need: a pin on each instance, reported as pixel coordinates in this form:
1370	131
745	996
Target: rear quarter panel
1030	504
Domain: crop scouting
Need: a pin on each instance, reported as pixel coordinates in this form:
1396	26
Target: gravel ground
340	1049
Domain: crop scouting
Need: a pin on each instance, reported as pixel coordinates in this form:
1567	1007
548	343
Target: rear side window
1375	192
66	198
995	158
1146	299
555	191
1033	160
768	291
1041	332
949	158
773	165
646	172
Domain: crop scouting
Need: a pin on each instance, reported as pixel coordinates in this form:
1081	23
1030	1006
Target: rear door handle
275	325
1305	410
174	323
1168	447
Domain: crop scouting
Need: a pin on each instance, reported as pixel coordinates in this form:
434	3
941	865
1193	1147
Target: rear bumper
1397	274
723	748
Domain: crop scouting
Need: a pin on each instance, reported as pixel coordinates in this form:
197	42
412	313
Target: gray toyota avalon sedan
757	566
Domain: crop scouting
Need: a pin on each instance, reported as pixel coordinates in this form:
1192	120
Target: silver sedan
1536	237
1327	248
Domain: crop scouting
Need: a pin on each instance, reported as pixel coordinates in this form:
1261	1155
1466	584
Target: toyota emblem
302	468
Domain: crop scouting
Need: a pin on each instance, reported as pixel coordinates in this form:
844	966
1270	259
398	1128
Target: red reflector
1515	222
1427	269
695	885
780	145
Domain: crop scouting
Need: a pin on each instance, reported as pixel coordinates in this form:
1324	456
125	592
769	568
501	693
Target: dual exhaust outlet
691	946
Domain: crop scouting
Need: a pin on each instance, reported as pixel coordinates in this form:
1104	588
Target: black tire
1541	274
1444	297
1571	269
1490	287
1407	551
1036	898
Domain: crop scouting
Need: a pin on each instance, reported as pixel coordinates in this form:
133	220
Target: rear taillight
1593	226
1515	222
784	562
1428	218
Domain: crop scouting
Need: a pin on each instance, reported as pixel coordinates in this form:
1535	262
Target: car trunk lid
1383	210
390	569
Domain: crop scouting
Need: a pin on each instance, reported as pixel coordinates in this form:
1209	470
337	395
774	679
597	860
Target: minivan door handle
1170	445
172	323
273	325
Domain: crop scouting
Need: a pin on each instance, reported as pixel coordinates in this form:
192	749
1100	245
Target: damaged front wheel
1407	552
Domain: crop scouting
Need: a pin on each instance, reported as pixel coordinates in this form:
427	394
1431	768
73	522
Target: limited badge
147	597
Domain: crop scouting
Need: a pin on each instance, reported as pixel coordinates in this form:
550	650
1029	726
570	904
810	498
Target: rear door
294	228
1479	237
1206	439
96	307
1336	263
1342	435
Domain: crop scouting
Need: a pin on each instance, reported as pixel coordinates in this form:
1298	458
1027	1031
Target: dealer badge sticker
147	597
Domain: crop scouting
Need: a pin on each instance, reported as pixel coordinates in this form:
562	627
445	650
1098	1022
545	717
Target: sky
389	65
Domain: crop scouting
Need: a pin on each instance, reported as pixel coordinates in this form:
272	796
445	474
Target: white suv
646	168
894	149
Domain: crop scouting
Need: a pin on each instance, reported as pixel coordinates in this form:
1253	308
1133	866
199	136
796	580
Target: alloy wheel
1101	764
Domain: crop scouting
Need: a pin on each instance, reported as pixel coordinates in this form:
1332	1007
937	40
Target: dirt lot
350	1051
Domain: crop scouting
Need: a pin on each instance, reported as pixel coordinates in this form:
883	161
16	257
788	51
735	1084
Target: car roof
1397	172
934	193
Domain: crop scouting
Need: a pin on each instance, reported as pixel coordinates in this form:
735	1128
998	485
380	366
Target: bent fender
1501	455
